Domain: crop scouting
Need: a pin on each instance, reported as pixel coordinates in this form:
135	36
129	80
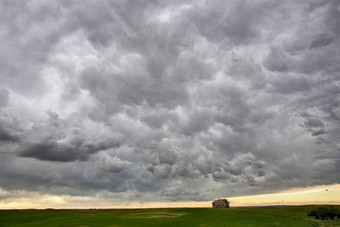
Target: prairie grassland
261	216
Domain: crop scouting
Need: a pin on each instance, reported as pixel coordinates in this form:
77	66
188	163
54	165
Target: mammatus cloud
175	101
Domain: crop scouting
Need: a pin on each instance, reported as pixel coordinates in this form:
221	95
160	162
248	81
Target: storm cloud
169	100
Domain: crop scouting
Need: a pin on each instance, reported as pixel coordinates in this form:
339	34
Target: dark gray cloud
169	101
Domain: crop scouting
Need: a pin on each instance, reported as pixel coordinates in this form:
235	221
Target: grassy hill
261	216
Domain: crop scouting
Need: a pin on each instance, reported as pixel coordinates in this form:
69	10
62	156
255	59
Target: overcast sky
155	101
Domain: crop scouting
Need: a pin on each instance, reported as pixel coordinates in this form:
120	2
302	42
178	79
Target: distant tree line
325	212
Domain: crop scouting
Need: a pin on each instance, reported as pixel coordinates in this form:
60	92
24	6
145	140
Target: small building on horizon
220	203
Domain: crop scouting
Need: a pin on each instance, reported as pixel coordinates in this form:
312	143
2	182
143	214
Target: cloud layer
169	101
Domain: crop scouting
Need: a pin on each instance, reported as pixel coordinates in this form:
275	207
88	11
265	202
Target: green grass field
263	216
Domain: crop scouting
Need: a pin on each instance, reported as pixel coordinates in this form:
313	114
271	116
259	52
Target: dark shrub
331	216
332	212
312	213
321	212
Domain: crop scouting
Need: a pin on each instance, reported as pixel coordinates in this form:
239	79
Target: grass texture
261	216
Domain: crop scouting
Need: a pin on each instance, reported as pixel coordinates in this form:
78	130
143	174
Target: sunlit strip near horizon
322	194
